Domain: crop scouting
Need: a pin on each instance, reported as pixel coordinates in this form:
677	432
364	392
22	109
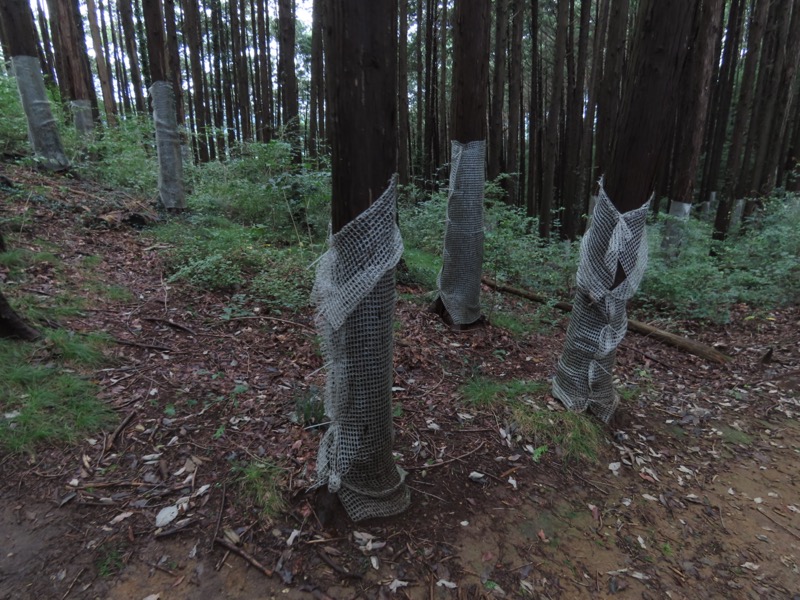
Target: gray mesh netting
355	296
82	117
42	129
598	322
170	165
459	280
675	228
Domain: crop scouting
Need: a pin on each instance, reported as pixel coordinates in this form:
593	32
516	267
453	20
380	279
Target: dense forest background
251	71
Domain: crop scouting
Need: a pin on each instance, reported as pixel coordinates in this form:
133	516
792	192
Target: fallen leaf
120	517
750	566
166	515
397	584
448	584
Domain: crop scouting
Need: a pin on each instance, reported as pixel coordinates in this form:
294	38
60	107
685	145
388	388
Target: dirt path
702	500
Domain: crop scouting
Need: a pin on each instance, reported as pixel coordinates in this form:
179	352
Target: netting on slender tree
599	319
354	292
459	280
170	160
42	128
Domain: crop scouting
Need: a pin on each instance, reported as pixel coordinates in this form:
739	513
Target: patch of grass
117	293
516	325
110	561
309	408
43	308
736	436
483	392
261	483
17	260
40	401
84	350
576	436
421	268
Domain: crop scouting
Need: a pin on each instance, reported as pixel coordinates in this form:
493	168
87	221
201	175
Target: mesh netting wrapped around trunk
42	129
462	260
599	321
355	296
170	165
82	117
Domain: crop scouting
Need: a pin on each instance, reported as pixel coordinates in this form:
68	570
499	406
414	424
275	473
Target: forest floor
694	493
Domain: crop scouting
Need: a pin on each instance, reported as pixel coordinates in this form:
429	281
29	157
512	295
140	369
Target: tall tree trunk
194	42
534	120
170	159
418	161
573	199
459	282
430	132
316	78
514	102
102	66
355	457
691	119
744	107
264	69
119	61
288	72
404	124
126	16
784	87
723	97
16	22
76	64
553	118
442	86
610	87
612	264
50	72
173	58
496	137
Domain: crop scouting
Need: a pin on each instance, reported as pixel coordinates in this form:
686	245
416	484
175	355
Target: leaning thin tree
614	250
355	285
459	282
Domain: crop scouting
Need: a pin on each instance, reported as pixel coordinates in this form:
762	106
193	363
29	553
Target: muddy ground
694	495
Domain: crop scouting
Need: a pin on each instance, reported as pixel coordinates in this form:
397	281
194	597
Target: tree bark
289	99
404	122
534	120
496	137
553	118
126	16
16	21
514	102
723	97
573	199
194	42
102	66
316	109
734	177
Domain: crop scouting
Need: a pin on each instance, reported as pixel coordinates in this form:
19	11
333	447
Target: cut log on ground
678	341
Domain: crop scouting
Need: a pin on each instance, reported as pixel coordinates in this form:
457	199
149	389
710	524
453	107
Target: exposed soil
704	502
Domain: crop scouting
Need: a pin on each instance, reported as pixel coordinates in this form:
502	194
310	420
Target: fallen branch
172	324
243	553
113	437
690	346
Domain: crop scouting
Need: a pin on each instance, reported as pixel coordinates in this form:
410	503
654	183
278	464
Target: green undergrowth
261	483
219	255
484	392
572	436
44	397
759	267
